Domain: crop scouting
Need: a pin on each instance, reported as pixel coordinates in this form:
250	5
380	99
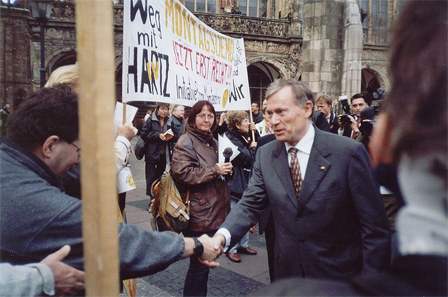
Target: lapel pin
322	168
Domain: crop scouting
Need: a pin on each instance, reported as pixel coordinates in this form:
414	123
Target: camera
368	115
346	107
377	96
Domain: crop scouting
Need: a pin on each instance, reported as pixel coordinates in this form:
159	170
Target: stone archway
61	58
260	75
380	75
371	80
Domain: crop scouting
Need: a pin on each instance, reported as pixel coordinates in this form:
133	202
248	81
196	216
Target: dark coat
412	275
242	164
320	121
177	126
337	229
194	168
334	124
150	133
257	118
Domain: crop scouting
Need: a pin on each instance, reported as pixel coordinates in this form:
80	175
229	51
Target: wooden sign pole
95	55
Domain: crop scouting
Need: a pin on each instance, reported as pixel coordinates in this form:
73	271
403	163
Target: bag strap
188	196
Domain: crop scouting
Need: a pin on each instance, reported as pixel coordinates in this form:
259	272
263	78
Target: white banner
169	55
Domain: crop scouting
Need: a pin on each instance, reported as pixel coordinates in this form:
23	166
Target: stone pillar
332	47
296	17
15	77
322	46
353	47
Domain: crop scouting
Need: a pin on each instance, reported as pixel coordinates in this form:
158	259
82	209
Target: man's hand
268	127
67	280
211	252
222	118
252	126
341	126
219	241
353	124
253	229
127	130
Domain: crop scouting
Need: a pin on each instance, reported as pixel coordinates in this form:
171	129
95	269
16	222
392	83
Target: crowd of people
344	213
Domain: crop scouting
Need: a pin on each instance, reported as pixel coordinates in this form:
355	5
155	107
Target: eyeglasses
77	149
203	116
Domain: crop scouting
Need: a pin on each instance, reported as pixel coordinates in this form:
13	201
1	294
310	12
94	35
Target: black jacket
177	126
334	124
150	133
242	164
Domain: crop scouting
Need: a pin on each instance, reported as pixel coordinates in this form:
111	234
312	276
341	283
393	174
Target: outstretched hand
67	280
211	252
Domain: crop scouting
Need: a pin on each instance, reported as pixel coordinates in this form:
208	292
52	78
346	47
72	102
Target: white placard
170	56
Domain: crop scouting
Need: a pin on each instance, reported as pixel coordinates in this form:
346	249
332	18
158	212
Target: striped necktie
295	171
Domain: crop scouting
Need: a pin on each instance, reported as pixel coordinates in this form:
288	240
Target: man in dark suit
351	129
328	214
323	104
419	153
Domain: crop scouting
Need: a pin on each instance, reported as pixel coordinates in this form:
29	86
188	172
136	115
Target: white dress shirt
304	149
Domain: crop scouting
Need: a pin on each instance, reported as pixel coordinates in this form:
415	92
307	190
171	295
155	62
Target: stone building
338	47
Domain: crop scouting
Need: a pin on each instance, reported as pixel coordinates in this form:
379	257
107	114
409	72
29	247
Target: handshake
212	249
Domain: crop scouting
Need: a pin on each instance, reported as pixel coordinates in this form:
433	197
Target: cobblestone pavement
230	279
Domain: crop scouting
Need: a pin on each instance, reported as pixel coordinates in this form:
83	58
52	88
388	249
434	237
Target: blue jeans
244	241
197	275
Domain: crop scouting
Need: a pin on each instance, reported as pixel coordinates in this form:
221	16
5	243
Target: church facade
337	47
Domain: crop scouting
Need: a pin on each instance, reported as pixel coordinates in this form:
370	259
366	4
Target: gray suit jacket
338	228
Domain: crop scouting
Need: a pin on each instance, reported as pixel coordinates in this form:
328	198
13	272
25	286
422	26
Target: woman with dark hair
195	168
156	149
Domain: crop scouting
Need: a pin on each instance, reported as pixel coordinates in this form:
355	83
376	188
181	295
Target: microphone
227	153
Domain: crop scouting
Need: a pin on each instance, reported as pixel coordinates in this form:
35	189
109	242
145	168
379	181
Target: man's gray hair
176	106
301	91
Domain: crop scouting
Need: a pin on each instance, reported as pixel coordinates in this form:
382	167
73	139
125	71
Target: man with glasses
37	217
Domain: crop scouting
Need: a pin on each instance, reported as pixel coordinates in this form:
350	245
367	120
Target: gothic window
259	80
375	24
201	5
257	8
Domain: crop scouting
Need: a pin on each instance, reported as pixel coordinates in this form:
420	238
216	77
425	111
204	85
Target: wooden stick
95	45
251	120
124	113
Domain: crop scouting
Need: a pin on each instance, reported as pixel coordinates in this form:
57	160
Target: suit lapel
317	168
281	167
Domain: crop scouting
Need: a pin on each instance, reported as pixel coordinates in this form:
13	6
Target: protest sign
170	56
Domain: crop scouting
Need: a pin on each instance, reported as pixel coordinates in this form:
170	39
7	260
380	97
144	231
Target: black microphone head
367	113
227	153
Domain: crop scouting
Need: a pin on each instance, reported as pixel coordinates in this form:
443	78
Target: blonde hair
235	117
68	74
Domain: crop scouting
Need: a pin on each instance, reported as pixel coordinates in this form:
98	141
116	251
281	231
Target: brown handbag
168	204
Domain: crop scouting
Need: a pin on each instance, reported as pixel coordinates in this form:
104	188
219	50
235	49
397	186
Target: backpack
167	207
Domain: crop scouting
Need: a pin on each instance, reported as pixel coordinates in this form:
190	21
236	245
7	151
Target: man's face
254	108
289	121
64	157
323	107
179	112
265	104
358	105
